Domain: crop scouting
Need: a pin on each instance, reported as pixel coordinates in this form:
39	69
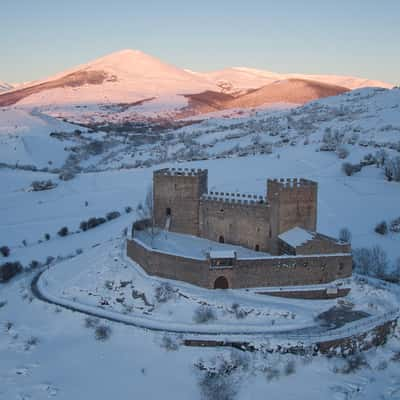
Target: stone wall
236	223
275	271
169	266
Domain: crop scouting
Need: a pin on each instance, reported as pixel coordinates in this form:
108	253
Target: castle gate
221	283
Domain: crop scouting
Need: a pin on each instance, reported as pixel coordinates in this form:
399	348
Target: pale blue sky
355	37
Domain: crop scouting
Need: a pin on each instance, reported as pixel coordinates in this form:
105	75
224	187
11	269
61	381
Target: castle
280	225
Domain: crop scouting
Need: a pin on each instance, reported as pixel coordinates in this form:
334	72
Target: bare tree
145	210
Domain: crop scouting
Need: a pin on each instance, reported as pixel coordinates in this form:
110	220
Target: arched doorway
168	211
221	239
221	283
257	247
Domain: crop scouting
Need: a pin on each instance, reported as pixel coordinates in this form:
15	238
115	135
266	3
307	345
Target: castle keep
278	228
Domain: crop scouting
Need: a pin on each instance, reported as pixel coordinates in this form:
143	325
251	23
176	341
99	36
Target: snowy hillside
25	139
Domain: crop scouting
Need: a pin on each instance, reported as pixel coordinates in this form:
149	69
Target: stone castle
242	219
281	223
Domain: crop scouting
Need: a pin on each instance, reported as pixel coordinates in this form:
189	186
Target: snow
296	236
191	246
140	366
222	254
25	138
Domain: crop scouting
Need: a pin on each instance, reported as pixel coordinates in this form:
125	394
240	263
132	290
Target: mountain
132	84
245	78
5	86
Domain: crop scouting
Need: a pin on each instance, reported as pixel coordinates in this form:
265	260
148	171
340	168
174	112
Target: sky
39	38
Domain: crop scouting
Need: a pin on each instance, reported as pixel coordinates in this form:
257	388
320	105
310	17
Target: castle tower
293	202
176	194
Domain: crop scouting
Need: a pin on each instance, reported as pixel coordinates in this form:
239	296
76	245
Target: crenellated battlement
181	172
235	198
290	183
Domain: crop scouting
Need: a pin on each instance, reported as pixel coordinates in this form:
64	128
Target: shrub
164	292
38	186
63	231
91	322
83	226
93	222
113	215
5	251
349	169
239	312
342	152
204	314
170	343
345	235
34	264
395	225
49	260
102	332
128	209
381	228
9	270
47	236
392	169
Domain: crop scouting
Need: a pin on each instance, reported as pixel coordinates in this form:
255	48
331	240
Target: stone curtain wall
279	271
239	224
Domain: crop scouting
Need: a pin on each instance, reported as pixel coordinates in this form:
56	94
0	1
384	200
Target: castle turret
293	202
177	195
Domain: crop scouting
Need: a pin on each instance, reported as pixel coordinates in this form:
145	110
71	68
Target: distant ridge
131	76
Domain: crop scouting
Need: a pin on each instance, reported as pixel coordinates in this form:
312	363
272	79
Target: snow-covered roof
222	254
296	236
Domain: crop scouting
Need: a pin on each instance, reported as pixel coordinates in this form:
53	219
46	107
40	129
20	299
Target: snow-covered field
47	351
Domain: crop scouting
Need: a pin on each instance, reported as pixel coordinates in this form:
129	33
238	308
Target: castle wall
179	192
169	266
238	223
263	272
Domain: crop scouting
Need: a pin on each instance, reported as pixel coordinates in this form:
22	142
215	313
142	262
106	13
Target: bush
5	251
239	312
349	169
392	169
34	264
93	222
102	332
395	225
38	186
204	314
47	236
345	235
342	152
128	209
91	322
63	231
170	343
164	292
381	228
9	270
113	215
83	226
